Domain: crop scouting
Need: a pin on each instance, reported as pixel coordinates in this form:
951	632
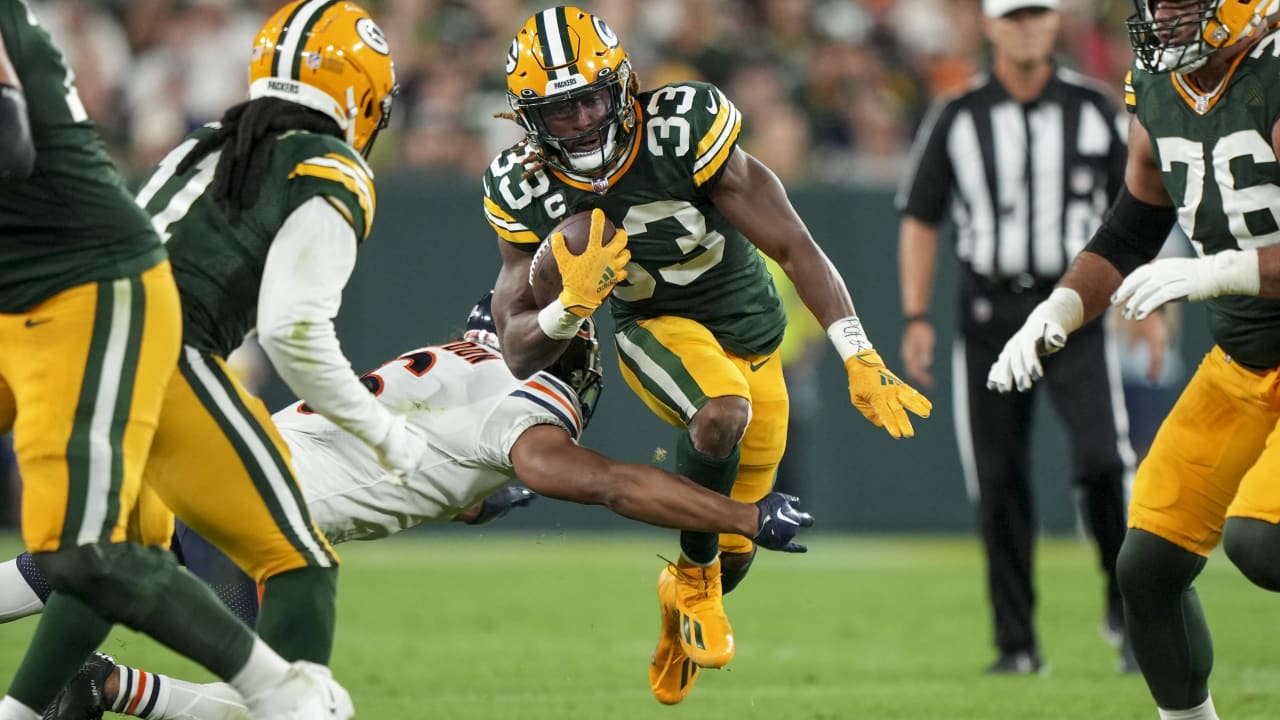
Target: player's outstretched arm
752	198
547	460
17	150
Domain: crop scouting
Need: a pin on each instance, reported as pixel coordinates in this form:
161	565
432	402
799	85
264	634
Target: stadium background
831	92
555	621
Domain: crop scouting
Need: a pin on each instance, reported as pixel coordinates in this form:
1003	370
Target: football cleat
1018	662
703	630
671	672
306	692
83	697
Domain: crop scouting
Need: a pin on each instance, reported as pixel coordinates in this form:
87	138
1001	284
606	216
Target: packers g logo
512	55
605	34
372	36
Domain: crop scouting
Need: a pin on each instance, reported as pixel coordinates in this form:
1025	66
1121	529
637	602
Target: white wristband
1236	272
1064	307
558	323
848	337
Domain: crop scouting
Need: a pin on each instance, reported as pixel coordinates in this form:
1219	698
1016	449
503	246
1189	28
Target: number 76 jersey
1219	167
686	258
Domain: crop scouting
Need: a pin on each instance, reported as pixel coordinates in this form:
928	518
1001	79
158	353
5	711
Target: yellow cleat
703	630
671	672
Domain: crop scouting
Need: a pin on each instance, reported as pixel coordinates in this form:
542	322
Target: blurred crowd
831	90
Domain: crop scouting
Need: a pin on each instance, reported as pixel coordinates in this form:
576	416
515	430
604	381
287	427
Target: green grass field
560	627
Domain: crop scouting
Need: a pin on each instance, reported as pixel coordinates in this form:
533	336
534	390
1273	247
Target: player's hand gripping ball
580	262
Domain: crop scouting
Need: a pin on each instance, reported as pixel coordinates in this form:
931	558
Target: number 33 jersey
686	258
465	410
1215	154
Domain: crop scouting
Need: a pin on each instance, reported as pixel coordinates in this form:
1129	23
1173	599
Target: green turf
561	627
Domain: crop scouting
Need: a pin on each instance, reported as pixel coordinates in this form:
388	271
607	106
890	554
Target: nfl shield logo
313	61
600	185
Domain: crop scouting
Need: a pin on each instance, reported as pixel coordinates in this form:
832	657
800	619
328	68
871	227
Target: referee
1024	163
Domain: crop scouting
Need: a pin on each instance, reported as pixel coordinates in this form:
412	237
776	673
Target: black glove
501	502
779	523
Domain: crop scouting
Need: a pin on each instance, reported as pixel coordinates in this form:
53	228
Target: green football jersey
218	263
1221	172
73	221
686	259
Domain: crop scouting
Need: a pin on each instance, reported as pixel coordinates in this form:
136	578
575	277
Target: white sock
160	697
264	671
11	709
17	599
1203	711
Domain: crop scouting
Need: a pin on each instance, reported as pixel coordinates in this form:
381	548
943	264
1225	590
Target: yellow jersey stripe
492	208
335	175
713	135
342	210
360	168
710	164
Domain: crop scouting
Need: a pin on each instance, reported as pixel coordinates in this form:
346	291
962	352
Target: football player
90	329
698	319
478	429
1203	151
262	214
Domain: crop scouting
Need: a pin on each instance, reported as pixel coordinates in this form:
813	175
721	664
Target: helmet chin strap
586	163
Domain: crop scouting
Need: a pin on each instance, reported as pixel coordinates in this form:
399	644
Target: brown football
544	273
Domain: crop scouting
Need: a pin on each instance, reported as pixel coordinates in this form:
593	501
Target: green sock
716	474
1164	619
67	633
299	609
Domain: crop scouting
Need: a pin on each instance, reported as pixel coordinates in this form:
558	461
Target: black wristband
919	317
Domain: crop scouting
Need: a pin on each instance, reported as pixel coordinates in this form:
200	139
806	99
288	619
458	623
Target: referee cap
1000	8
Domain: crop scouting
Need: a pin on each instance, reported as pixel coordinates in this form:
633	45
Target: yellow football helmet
1183	41
331	57
561	58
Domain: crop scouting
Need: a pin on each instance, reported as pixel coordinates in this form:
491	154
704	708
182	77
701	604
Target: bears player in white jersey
476	428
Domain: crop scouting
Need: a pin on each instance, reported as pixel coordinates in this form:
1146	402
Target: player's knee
733	569
1150	569
122	582
718	426
1254	547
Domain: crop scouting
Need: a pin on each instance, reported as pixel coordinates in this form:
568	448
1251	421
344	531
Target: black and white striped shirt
1026	184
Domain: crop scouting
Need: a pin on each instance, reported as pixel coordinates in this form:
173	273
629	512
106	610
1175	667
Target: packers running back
686	259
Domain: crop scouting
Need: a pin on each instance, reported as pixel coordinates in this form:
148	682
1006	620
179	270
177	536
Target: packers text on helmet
330	56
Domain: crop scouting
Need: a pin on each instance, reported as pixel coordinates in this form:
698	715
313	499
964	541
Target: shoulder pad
712	121
326	166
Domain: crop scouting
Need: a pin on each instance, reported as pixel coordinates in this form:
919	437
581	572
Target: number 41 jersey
686	259
1214	151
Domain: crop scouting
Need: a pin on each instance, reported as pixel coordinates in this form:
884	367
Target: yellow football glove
587	279
881	397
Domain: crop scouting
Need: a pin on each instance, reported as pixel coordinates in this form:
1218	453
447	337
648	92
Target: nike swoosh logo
757	366
32	322
783	518
712	106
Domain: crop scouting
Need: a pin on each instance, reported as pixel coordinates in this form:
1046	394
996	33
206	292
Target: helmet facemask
579	367
1183	42
605	142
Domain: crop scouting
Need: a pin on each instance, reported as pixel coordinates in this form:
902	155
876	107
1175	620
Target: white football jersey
464	408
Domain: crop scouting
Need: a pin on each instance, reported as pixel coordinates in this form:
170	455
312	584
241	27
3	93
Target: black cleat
1018	662
82	698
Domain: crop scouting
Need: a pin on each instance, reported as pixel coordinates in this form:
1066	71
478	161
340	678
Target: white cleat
307	692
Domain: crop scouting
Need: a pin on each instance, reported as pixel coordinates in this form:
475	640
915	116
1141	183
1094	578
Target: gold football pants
675	365
1216	456
82	379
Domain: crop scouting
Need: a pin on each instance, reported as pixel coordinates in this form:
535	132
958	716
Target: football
544	273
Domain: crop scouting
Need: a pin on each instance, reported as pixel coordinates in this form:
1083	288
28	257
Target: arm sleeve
306	269
926	186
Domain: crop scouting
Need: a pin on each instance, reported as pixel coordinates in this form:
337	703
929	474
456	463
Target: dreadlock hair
244	127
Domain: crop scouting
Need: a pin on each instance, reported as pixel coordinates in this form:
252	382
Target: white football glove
1230	272
1044	333
399	450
